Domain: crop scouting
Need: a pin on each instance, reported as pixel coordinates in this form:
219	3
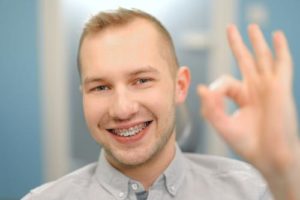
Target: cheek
93	110
162	100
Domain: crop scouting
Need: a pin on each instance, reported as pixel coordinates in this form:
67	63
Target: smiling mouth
129	132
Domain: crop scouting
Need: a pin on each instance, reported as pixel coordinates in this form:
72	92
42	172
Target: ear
182	84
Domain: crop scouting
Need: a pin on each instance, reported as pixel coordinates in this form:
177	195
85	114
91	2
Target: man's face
128	92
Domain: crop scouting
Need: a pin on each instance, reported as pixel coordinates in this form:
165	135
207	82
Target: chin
133	157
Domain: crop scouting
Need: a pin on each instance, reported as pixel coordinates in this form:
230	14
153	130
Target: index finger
241	53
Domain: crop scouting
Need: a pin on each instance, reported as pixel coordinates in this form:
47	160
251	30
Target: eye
100	88
143	80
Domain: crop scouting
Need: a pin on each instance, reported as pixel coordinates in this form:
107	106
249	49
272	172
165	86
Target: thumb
213	107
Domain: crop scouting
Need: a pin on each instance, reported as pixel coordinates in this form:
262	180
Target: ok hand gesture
264	129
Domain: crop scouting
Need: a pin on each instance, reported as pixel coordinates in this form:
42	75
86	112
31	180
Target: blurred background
42	131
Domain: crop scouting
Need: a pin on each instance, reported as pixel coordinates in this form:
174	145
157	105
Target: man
131	84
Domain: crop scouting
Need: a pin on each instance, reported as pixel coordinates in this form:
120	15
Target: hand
264	129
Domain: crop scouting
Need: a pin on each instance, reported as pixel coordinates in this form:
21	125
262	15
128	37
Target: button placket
134	186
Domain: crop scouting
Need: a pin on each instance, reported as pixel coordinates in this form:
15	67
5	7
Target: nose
123	105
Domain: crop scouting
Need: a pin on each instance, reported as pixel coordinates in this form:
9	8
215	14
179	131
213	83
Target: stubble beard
121	160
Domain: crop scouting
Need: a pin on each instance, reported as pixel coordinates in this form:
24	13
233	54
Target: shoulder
225	172
67	185
218	177
217	164
220	166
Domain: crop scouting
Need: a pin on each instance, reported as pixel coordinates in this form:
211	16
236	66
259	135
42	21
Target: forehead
139	32
135	44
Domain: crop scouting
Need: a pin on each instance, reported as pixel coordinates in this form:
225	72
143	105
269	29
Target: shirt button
121	194
172	188
134	186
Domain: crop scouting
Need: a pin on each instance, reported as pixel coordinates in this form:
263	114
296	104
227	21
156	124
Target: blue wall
283	15
20	146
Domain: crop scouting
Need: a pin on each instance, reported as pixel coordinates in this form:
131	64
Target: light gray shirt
189	176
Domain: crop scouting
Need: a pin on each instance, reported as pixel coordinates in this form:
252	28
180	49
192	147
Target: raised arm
264	129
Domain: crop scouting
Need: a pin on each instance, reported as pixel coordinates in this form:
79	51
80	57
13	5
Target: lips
131	131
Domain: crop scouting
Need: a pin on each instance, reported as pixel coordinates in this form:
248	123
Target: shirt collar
175	172
111	179
118	184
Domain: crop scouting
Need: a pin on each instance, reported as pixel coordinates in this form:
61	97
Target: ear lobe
182	84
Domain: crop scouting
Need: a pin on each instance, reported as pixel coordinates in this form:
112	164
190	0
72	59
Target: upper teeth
130	131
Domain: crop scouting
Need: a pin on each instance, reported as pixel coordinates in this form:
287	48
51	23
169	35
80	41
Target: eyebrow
92	80
146	69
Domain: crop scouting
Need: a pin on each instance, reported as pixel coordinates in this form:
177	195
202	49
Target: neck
148	172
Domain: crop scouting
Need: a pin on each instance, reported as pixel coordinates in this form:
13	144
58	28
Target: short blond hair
121	17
